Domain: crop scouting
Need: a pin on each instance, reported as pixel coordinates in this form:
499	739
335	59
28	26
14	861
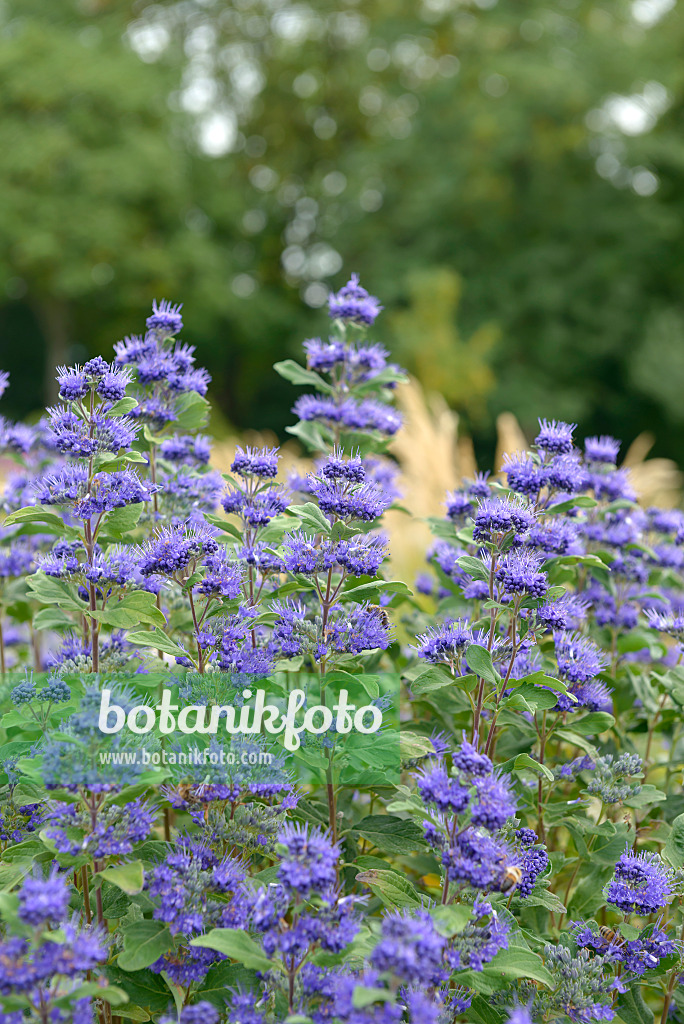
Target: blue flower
520	1015
494	803
524	474
308	859
411	948
642	884
364	502
44	900
555	436
481	939
567	474
447	794
186	449
257	462
73	383
520	573
579	659
165	318
502	515
354	304
337	467
602	450
459	504
445	643
198	1013
174	547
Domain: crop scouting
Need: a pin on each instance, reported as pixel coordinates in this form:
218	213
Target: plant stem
86	894
2	651
651	728
200	653
674	978
329	780
590	846
541	831
290	985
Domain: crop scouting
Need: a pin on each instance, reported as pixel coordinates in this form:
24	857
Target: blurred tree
532	150
97	199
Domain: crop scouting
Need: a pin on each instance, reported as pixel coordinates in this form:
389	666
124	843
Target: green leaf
36	514
115	904
474	567
311	516
297	374
452	919
392	888
591	561
192	412
48	590
520	963
122	407
524	761
224	977
480	661
110	993
134	1013
144	943
311	434
276	529
632	1008
541	679
673	851
363	996
580	501
132	610
389	375
640	639
413	745
159	640
110	464
593	724
391	834
224	525
143	987
646	796
578	741
120	521
10	874
52	618
483	1013
435	677
236	944
379	587
531	695
339	680
128	877
541	897
588	896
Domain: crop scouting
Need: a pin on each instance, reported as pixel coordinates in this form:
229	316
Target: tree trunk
54	317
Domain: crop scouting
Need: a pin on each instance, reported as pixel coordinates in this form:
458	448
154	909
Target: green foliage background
508	173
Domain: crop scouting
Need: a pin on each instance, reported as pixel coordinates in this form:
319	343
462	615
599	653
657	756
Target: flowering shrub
513	853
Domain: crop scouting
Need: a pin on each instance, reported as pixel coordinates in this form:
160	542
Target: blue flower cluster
470	868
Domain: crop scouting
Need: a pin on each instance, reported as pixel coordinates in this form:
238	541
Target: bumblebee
188	793
381	614
191	794
511	878
612	937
